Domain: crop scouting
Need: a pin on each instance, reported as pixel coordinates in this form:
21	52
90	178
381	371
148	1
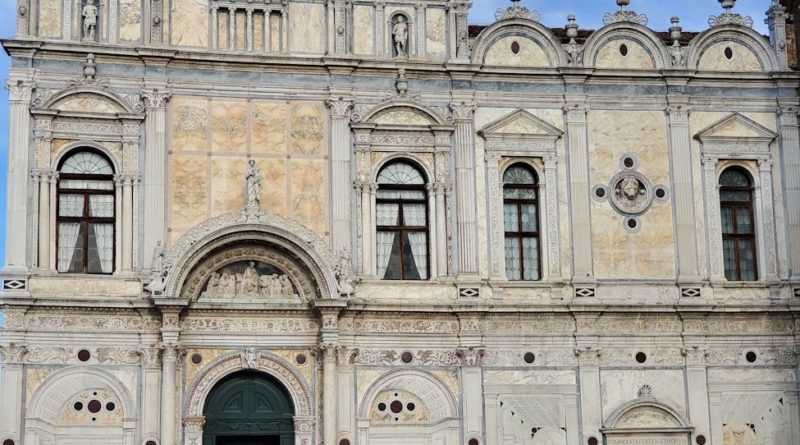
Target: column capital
765	165
13	354
329	351
588	356
695	355
19	91
150	357
340	107
471	357
155	99
194	424
788	116
463	111
679	114
576	112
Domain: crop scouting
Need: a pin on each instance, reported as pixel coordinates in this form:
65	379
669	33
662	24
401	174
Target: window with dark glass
738	228
402	223
521	222
86	214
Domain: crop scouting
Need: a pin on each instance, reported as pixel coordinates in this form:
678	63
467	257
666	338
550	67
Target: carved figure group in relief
400	36
249	284
89	14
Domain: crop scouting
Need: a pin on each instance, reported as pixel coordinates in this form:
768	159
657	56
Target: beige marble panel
308	129
610	56
309	193
618	253
436	32
618	387
275	33
130	20
50	15
530	53
207	355
538	377
229	126
227	184
722	376
363	30
258	32
222	29
189	117
269	125
34	379
306	28
188	193
241	26
714	58
190	23
274	195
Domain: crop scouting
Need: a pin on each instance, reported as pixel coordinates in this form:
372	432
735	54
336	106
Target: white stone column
44	219
169	359
231	28
440	192
421	51
12	372
284	31
465	190
578	155
790	149
155	171
341	175
697	389
214	28
340	26
472	388
151	393
589	375
494	210
716	268
127	223
770	248
19	92
118	181
776	20
680	144
249	30
329	399
380	28
550	212
51	242
346	393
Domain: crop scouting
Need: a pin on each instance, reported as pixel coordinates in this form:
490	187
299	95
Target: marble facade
632	336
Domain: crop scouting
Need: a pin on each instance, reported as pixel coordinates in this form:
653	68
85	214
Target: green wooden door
249	408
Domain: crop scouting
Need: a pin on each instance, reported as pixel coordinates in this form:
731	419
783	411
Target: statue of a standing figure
89	20
400	36
253	185
158	271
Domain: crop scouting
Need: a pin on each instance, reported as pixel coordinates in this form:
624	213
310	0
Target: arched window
402	223
738	227
521	221
86	214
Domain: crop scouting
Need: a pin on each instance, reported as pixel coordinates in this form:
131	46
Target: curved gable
731	48
88	100
518	42
643	49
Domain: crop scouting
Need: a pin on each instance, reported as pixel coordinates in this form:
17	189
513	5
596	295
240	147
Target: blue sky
554	13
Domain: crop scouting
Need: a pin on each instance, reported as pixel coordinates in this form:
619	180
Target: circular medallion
631	193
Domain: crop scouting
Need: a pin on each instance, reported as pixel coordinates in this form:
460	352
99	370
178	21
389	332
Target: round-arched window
402	223
86	212
521	223
738	226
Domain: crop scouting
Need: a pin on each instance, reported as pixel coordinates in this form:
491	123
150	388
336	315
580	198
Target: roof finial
624	15
516	11
728	17
623	4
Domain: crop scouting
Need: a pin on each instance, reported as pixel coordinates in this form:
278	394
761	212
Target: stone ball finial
676	30
727	4
571	27
623	3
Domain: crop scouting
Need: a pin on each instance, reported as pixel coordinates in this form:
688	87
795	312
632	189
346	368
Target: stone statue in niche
251	281
253	177
158	271
343	273
400	36
89	14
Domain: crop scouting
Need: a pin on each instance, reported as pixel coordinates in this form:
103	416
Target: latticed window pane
511	217
86	184
727	220
388	214
400	173
729	251
101	206
529	218
100	248
70	247
519	175
734	195
87	163
414	214
734	177
744	221
530	250
513	261
70	205
747	260
519	193
401	194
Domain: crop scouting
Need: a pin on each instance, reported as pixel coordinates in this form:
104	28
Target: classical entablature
518	42
644	418
277	259
731	48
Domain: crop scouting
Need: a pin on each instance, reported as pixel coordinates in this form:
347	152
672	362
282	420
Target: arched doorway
248	408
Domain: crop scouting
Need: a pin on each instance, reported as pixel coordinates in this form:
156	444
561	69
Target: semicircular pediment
251	273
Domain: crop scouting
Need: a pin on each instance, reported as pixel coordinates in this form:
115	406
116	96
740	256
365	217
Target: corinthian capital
340	107
155	99
462	111
19	90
